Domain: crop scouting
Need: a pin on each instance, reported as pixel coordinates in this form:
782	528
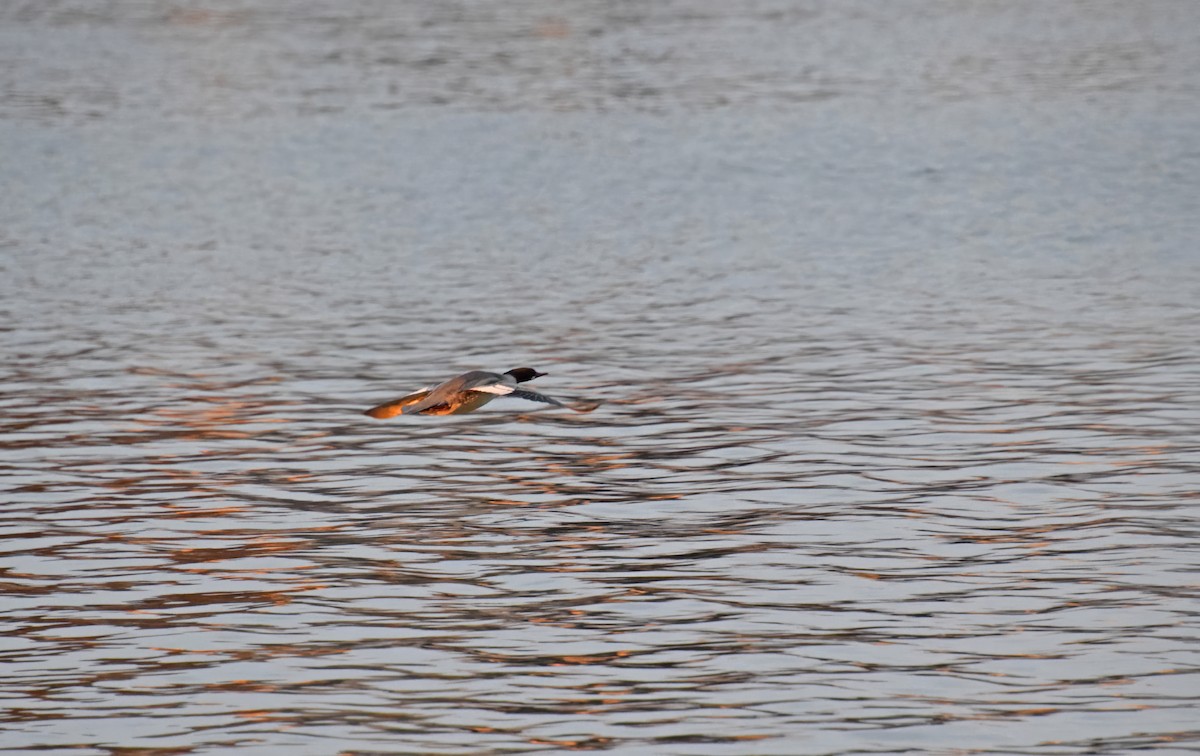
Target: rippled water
891	312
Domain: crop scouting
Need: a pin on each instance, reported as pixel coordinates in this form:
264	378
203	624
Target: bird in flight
464	393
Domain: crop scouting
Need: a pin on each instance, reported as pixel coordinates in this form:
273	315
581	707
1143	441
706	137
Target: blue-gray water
891	308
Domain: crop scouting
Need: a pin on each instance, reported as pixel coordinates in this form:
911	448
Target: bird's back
462	393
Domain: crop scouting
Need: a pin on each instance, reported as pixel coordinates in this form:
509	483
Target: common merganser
465	393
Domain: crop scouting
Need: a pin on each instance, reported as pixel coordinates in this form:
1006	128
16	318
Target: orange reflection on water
203	512
577	745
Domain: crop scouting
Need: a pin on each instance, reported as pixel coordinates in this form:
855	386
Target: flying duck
464	393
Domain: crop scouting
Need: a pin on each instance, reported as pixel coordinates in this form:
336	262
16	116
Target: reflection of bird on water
465	393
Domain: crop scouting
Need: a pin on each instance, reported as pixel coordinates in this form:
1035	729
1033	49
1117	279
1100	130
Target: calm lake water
891	308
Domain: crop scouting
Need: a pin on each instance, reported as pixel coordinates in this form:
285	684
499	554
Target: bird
464	393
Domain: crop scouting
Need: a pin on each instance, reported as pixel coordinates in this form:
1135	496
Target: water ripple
701	561
888	310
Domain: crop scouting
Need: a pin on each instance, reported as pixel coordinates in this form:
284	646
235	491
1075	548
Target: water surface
891	312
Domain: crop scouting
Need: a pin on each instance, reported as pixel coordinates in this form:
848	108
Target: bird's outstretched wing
534	396
476	380
499	389
488	383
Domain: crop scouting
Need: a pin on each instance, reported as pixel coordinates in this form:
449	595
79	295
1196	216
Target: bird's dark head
523	374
